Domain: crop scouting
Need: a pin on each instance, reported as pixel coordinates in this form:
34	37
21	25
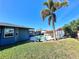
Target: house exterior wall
23	34
19	35
78	34
59	34
0	34
4	41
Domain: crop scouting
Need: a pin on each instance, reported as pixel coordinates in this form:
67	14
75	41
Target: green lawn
63	49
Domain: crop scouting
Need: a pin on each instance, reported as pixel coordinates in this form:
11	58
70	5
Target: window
8	32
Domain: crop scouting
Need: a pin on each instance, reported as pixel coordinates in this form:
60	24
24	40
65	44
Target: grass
63	49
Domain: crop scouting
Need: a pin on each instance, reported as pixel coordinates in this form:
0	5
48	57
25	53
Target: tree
50	12
67	30
72	28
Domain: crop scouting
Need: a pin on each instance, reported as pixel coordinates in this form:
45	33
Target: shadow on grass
13	45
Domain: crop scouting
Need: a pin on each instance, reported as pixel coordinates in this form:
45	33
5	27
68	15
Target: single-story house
10	33
38	32
59	33
32	32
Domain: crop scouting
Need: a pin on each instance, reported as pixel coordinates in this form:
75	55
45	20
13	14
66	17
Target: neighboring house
38	32
59	33
48	33
78	34
10	33
32	32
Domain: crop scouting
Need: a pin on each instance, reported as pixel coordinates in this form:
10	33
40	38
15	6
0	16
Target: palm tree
50	12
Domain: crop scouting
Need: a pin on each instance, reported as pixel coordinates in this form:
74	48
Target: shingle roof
13	25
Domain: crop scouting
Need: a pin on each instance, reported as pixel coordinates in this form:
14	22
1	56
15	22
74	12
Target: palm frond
54	17
53	9
64	4
50	3
57	5
45	3
49	20
45	13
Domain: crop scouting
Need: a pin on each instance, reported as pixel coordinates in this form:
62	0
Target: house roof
59	29
49	31
13	25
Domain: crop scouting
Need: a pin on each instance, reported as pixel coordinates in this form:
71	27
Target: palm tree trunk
54	32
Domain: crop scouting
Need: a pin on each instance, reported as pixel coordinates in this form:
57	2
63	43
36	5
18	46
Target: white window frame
5	33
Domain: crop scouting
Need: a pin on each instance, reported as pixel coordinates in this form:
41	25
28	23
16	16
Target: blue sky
27	13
